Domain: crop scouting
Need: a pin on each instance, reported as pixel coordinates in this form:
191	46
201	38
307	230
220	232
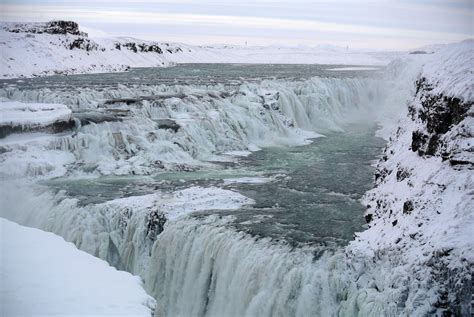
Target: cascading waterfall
196	267
209	121
203	268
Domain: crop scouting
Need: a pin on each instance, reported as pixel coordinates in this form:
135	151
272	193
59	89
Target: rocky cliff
421	211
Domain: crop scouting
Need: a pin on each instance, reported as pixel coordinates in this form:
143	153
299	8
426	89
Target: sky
381	24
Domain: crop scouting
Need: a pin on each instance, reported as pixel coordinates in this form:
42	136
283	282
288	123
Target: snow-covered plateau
59	47
196	187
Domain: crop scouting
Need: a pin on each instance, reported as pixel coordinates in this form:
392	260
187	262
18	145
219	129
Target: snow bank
450	71
42	275
32	114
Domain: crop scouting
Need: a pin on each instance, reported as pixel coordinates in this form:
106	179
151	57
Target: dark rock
440	114
402	174
381	174
131	46
89	117
168	124
139	47
455	162
127	101
56	127
83	44
368	218
407	207
52	27
394	223
432	145
155	221
418	139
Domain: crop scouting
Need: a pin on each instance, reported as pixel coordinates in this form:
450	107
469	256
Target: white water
206	269
212	120
197	268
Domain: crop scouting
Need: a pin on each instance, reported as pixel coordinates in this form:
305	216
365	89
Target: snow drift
42	275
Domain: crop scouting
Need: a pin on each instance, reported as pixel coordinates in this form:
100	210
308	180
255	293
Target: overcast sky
384	24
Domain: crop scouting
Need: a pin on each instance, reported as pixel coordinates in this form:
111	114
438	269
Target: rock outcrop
52	27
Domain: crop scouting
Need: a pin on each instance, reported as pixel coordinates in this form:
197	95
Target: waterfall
198	266
129	138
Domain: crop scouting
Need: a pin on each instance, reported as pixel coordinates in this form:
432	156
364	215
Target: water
189	74
312	196
263	259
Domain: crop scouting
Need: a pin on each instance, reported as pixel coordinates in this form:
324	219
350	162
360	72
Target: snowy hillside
36	50
42	275
420	212
59	47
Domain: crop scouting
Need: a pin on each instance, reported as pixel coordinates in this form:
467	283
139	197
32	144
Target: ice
32	114
238	153
273	113
42	275
117	230
247	180
353	68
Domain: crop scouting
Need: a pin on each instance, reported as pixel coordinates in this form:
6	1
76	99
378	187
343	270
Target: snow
32	114
247	180
238	153
428	245
183	202
270	113
42	275
286	55
353	68
30	55
451	70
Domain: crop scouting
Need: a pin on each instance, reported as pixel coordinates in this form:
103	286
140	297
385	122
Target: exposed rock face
139	47
83	44
55	127
52	27
439	115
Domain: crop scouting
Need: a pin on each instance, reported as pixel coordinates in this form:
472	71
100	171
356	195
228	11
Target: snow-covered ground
42	275
28	54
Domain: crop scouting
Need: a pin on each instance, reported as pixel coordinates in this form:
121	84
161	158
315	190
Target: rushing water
309	194
257	260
